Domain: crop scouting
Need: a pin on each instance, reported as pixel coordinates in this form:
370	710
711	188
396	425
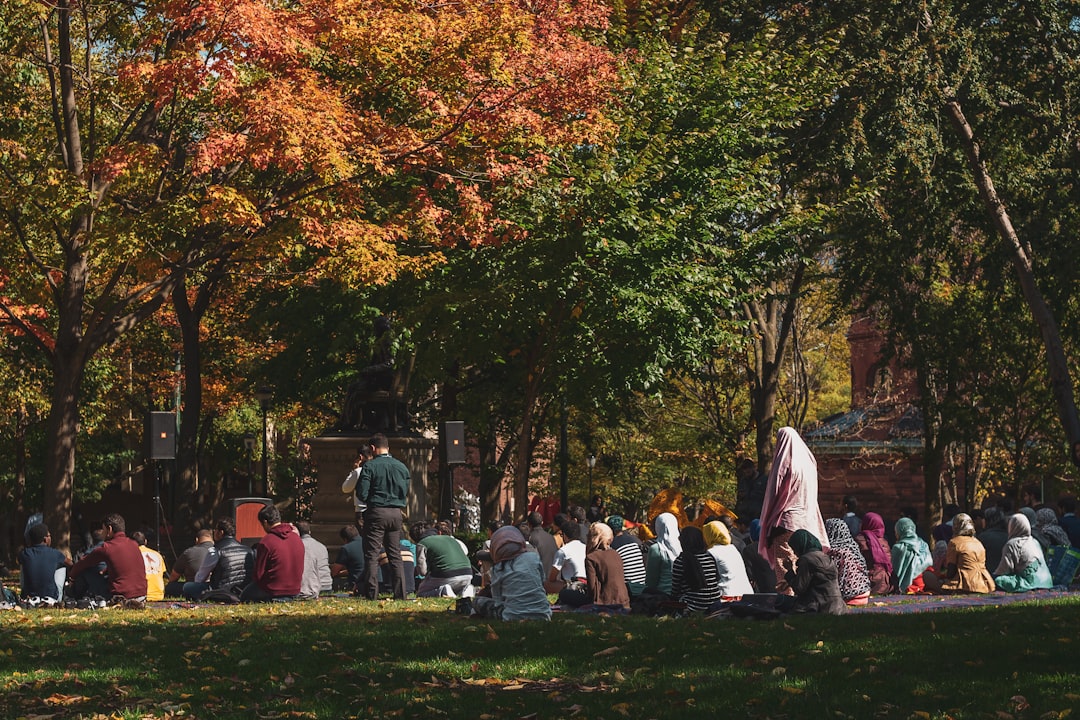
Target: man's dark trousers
382	528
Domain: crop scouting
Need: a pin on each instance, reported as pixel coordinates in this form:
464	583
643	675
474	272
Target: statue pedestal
332	457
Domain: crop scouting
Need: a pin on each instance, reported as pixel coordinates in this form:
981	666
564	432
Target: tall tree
636	256
172	135
973	102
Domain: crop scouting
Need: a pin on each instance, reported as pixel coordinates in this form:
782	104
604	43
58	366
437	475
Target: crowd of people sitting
784	558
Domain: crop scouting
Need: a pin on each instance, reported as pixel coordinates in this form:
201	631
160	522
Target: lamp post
264	395
591	462
249	445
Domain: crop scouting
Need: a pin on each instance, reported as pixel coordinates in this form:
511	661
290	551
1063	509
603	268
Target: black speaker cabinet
161	436
452	436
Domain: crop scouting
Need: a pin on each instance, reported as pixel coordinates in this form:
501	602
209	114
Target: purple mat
902	604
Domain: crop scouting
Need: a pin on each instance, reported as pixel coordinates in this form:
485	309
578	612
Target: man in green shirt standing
383	486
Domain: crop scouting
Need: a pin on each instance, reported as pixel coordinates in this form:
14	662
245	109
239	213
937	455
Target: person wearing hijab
662	554
875	550
1047	523
517	580
693	575
1022	565
965	560
604	578
853	578
791	503
1036	533
994	536
814	579
730	568
910	558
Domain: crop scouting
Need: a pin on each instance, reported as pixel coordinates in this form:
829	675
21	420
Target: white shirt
349	486
570	560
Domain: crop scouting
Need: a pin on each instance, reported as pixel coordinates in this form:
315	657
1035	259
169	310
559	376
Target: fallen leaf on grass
58	699
607	651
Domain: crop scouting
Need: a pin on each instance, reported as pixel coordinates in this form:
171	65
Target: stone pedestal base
332	457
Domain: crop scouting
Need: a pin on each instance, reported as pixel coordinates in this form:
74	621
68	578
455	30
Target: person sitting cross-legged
852	575
516	591
877	553
814	579
1022	565
155	568
964	568
42	568
694	578
189	562
123	561
279	561
910	557
730	568
349	563
316	578
632	552
605	584
227	567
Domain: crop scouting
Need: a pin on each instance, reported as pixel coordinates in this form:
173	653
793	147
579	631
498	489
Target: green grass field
343	658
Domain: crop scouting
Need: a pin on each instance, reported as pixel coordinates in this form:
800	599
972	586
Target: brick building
875	450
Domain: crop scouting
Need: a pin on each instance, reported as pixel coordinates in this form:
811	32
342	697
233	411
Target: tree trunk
523	464
63	425
491	477
187	436
526	443
1057	364
772	324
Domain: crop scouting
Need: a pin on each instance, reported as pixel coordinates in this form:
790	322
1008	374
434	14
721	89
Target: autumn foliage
371	121
148	146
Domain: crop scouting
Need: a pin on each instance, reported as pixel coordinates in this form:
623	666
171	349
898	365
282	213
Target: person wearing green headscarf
910	557
814	579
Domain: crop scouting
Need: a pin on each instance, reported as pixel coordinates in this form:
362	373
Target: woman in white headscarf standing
790	503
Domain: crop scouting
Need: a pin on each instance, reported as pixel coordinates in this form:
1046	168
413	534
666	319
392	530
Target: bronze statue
374	402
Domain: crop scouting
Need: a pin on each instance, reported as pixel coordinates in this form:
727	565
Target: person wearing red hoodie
279	561
123	562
